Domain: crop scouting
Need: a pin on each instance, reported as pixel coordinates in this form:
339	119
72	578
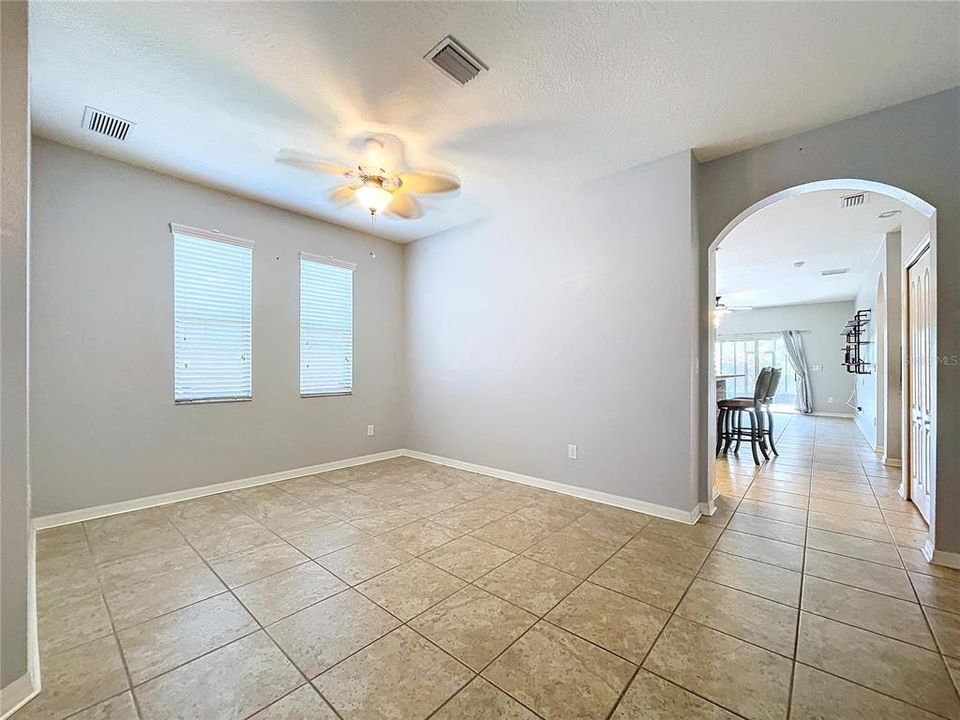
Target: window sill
209	401
330	394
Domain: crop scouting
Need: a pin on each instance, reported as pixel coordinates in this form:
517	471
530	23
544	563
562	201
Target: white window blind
213	309
326	326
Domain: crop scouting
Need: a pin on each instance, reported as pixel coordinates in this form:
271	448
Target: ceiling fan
720	309
377	188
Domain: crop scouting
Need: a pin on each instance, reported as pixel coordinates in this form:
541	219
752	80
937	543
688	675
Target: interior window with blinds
326	326
213	309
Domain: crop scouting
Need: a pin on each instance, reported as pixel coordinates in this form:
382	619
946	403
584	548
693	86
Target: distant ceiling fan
720	309
378	189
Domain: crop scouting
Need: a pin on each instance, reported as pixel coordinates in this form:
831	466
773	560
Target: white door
920	337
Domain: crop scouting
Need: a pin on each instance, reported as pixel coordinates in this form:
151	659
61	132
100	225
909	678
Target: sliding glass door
745	355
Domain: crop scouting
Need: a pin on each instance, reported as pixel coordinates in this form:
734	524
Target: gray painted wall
14	253
526	332
569	320
823	323
104	426
914	146
881	424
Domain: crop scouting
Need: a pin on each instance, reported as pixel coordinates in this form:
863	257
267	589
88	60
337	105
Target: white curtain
798	361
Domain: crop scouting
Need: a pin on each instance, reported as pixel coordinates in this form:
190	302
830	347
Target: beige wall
14	253
104	426
914	146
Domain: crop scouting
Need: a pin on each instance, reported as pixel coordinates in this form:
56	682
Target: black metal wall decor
854	334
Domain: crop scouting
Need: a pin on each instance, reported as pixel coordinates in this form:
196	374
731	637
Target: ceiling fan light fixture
372	195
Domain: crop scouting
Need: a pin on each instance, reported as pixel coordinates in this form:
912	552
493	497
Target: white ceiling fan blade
308	161
427	181
404	206
343	195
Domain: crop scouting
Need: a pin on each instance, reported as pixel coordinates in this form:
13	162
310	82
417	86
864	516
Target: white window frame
331	261
217	236
754	338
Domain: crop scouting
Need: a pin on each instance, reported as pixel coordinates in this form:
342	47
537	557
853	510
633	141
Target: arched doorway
927	211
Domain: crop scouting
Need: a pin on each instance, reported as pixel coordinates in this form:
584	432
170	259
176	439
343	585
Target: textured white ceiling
755	261
575	91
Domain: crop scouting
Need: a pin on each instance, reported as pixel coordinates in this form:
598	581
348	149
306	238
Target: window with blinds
326	326
213	309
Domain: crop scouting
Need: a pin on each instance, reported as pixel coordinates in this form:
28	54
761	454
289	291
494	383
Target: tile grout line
349	586
262	628
803	568
899	554
926	619
542	618
113	627
640	667
858	684
672	614
256	620
402	623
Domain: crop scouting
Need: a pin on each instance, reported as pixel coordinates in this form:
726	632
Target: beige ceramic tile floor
402	589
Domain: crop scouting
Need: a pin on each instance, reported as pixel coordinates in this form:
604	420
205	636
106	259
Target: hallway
824	524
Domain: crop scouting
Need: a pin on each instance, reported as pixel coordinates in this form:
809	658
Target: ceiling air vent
455	60
854	200
835	271
105	124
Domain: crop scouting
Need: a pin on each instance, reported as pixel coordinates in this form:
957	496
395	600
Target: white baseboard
84	514
940	557
662	511
892	462
849	416
33	632
17	694
27	686
92	513
870	441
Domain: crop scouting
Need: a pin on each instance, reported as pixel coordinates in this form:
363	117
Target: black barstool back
773	384
771	392
762	389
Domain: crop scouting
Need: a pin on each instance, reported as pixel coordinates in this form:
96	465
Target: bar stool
765	408
765	419
732	409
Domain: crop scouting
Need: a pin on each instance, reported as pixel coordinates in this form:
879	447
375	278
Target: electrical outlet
369	430
830	400
817	368
572	452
